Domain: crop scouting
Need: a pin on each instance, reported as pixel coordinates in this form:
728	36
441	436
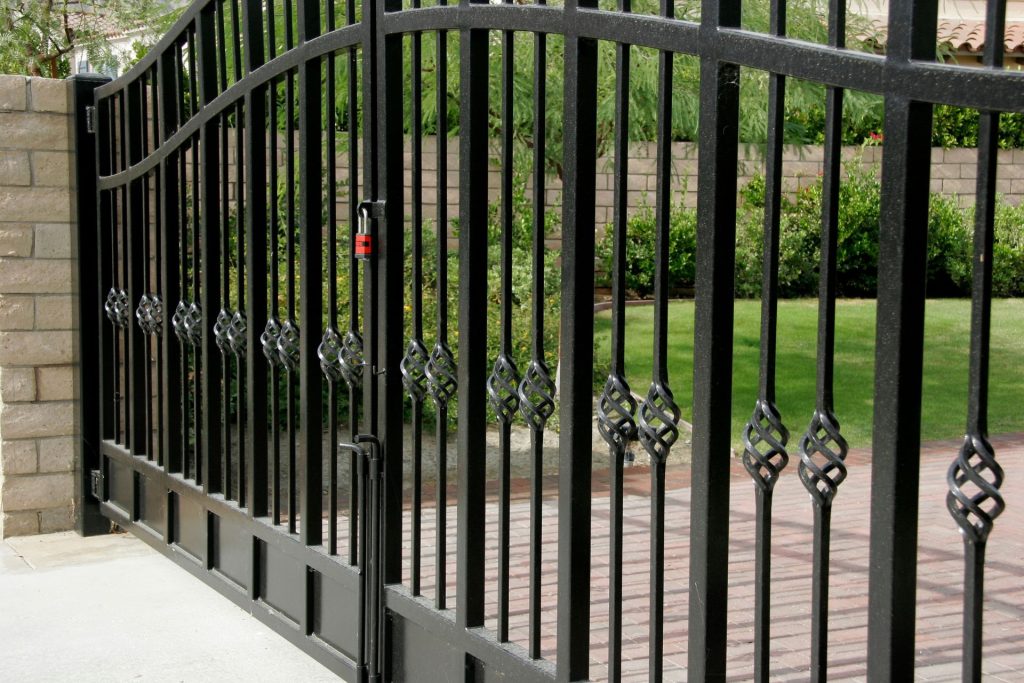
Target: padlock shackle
363	213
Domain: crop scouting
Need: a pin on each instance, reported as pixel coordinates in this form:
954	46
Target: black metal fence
235	324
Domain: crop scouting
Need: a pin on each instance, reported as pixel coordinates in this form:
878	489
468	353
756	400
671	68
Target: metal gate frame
292	581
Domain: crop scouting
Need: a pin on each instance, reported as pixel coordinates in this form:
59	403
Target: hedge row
950	238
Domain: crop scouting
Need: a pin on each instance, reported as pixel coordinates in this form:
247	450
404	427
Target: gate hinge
90	118
96	484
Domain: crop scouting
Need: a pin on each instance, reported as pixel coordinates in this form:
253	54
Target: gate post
88	520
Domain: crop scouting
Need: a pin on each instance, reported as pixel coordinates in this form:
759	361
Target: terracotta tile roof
961	35
91	14
105	25
969	35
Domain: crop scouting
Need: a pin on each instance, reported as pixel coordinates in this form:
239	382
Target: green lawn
947	327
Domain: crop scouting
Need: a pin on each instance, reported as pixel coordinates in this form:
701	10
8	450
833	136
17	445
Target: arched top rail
979	88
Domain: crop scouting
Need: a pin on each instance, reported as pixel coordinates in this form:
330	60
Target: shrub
641	239
949	243
1008	256
958	127
800	247
949	248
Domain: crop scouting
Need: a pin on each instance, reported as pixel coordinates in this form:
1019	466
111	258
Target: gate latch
96	484
368	211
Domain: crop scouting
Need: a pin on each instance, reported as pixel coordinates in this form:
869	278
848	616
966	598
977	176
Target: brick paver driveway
940	570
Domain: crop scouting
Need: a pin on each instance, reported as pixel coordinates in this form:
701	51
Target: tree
38	37
807	20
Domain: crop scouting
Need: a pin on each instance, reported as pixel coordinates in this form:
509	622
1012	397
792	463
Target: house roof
969	35
963	35
95	21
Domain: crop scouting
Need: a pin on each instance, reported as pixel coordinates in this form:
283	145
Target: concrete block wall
38	429
953	173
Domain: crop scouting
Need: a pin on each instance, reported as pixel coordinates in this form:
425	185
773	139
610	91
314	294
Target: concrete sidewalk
110	608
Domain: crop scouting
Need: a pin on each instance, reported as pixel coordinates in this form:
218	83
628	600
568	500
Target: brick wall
37	379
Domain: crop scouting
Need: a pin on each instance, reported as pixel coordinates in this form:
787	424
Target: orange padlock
364	240
364	246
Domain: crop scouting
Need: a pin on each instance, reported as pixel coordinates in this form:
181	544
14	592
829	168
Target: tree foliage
38	37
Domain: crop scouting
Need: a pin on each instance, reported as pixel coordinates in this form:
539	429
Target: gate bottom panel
425	644
299	591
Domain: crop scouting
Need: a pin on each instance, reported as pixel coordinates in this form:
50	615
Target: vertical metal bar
270	23
360	541
975	509
209	261
332	469
240	319
146	232
136	263
311	276
576	367
273	326
896	442
145	229
389	283
290	329
371	125
472	416
331	334
256	260
173	388
414	363
822	448
272	329
195	261
123	355
156	301
88	520
223	318
502	385
240	68
713	334
375	575
899	347
617	407
103	233
976	460
440	370
183	425
353	341
659	413
765	436
537	389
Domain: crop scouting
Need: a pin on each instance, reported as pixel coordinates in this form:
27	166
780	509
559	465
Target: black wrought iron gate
231	333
